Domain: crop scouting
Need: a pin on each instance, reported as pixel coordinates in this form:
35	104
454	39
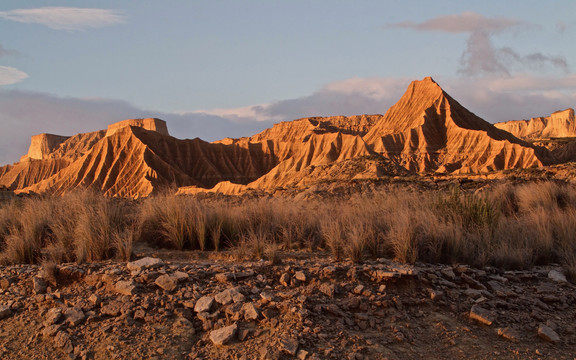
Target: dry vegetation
508	226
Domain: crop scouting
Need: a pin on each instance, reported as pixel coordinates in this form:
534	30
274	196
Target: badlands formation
426	133
200	305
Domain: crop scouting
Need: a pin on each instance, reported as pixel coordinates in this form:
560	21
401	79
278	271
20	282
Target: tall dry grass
509	226
83	226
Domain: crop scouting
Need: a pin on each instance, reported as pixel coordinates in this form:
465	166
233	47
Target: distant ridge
559	124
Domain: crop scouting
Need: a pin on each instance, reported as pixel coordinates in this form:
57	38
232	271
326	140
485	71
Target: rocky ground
307	307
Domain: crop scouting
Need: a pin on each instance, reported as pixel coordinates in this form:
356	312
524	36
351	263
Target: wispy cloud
463	23
66	18
10	75
480	56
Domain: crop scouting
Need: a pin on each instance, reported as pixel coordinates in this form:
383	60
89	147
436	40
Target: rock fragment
95	299
289	345
144	263
167	282
285	279
63	341
204	304
557	276
126	287
53	316
328	289
509	334
228	296
39	285
223	335
113	309
5	312
250	311
51	330
74	316
300	276
547	334
481	315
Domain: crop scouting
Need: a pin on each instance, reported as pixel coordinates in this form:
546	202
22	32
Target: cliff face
42	145
558	125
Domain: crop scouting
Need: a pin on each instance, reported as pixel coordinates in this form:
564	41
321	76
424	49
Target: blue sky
230	68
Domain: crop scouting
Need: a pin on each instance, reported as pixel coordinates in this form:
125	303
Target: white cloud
65	18
10	75
236	114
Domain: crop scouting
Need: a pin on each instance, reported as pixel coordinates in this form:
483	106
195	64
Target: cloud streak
65	18
10	75
480	56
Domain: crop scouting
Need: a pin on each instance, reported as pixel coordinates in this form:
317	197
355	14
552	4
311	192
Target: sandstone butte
425	132
560	124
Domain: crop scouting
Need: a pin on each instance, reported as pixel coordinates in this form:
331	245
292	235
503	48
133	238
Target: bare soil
307	307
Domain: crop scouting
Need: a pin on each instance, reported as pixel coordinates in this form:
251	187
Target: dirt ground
192	305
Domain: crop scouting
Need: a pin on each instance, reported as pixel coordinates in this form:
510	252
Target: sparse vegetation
508	226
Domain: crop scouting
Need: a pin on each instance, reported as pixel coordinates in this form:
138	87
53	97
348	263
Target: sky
230	68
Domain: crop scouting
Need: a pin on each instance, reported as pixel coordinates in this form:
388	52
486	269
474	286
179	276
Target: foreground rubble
307	307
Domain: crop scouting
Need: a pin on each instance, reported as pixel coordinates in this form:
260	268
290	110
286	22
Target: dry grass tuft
50	272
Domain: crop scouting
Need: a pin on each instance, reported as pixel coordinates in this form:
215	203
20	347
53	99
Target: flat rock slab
228	296
557	276
481	315
223	335
204	304
144	263
250	311
167	282
509	334
547	334
126	287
